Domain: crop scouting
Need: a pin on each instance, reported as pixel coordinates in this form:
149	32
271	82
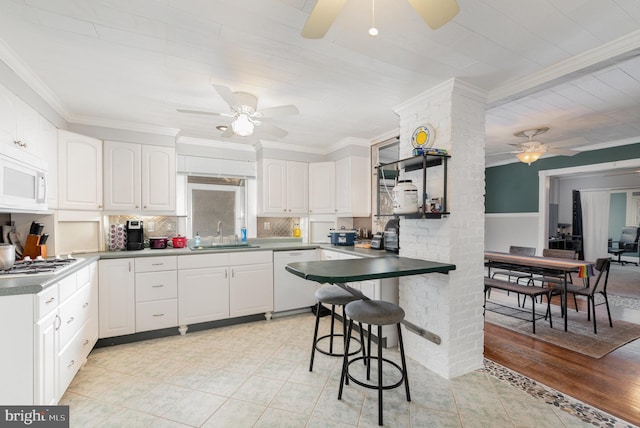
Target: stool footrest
336	354
368	360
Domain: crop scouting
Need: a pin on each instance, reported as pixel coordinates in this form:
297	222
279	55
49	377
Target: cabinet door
353	186
7	116
251	289
80	172
116	296
203	295
47	360
297	188
122	188
158	178
322	199
274	186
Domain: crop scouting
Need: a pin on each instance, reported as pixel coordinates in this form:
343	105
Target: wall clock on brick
423	137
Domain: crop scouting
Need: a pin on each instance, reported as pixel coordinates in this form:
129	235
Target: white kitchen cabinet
353	186
116	297
139	178
251	283
7	116
203	288
322	187
46	356
284	187
290	291
79	172
41	328
156	293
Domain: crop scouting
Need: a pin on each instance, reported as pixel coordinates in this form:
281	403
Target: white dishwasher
289	290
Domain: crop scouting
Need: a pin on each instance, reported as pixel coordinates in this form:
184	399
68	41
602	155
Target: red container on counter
179	241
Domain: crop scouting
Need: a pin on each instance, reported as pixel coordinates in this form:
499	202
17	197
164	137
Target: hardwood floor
611	383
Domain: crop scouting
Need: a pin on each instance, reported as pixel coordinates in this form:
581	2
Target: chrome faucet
219	230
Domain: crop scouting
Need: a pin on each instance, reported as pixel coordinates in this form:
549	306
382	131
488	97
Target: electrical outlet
267	225
150	226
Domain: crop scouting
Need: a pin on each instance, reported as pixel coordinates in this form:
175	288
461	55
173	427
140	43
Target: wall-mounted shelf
391	171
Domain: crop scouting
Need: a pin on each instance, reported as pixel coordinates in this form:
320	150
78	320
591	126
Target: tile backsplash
269	227
154	226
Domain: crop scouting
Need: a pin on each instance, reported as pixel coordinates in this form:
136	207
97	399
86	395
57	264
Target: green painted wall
617	214
513	188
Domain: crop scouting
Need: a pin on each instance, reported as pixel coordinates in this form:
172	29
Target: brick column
448	305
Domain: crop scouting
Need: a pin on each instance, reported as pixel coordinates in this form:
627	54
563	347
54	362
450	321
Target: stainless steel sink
221	247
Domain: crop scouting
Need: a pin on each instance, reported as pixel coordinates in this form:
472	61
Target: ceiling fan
530	151
246	116
435	13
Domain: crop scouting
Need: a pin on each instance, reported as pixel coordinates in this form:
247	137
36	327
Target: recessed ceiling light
222	128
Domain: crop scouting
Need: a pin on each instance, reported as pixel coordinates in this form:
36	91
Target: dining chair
523	251
546	280
599	287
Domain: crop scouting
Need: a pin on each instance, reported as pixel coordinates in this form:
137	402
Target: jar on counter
297	233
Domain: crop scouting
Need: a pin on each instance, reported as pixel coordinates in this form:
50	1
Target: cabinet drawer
67	286
153	264
156	315
74	313
156	286
197	261
46	301
70	359
250	257
82	277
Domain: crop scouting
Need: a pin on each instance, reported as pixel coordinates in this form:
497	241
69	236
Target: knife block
33	249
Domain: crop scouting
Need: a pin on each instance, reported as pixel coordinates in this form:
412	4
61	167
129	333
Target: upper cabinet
139	177
353	186
284	187
80	172
322	187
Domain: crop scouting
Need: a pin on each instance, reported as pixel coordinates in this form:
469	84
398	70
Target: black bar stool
335	296
378	313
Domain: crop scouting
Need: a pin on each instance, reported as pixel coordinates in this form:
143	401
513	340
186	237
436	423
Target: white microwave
23	180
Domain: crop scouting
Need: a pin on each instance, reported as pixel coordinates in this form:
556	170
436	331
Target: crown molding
290	147
623	48
13	61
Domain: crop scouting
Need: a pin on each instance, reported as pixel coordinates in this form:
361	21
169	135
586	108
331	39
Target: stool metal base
331	336
345	376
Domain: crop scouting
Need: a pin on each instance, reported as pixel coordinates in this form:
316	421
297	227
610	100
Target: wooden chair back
560	254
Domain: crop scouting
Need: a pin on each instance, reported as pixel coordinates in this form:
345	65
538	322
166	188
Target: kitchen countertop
36	283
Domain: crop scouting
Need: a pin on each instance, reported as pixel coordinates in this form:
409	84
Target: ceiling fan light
373	31
530	156
242	126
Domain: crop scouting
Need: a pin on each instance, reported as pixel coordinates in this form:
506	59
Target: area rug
579	337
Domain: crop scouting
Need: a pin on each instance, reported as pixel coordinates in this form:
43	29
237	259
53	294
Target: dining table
342	272
549	266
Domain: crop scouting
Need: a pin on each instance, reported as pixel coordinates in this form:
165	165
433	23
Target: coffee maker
135	235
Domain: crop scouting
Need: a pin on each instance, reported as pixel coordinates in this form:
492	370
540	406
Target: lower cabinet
156	293
117	297
203	295
50	339
251	284
291	292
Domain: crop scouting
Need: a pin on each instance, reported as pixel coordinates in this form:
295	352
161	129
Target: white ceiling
571	65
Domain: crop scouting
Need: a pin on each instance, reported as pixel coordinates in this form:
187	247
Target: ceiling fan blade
562	152
208	113
321	18
436	13
270	128
287	110
226	94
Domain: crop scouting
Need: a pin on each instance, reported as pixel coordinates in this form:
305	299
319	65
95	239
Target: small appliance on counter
179	241
377	242
343	236
135	235
158	243
392	236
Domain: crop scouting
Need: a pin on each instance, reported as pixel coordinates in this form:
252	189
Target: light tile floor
256	375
